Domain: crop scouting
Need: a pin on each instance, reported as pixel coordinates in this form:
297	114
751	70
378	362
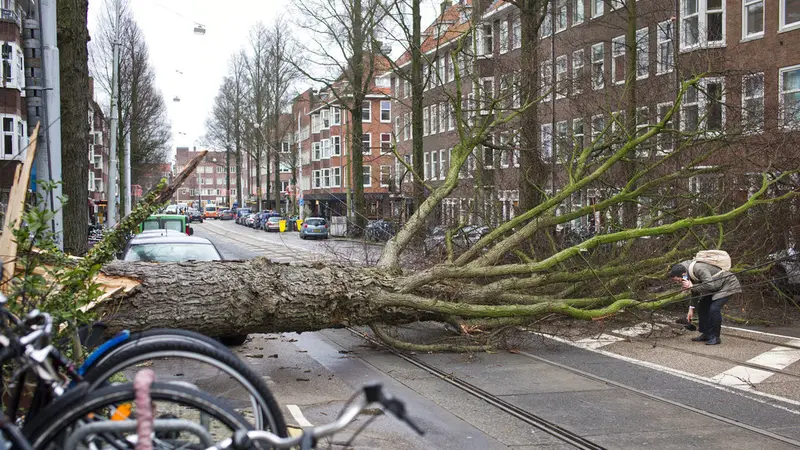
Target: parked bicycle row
108	403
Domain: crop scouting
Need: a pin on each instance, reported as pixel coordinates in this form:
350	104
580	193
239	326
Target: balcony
9	15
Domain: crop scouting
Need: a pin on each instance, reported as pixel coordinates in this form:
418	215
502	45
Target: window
406	172
406	88
386	142
451	119
702	23
367	176
317	151
546	28
386	111
703	103
442	169
561	15
488	156
366	112
487	40
753	19
665	51
233	169
336	113
664	141
516	96
577	71
426	128
546	74
8	136
577	134
561	76
285	147
406	126
326	148
618	59
425	75
386	175
598	128
317	179
516	33
434	165
563	149
326	178
450	70
366	143
642	53
336	177
577	12
487	93
436	72
397	127
337	145
434	119
789	14
642	125
8	56
598	66
325	117
753	102
220	169
597	8
789	86
503	36
425	166
547	141
220	180
443	113
315	123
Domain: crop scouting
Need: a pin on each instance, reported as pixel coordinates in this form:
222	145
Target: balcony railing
9	15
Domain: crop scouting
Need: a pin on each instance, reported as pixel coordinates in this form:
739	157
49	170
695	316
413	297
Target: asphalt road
619	385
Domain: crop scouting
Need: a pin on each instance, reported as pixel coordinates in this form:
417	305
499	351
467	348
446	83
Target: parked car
273	223
250	220
462	238
315	227
195	216
169	246
241	214
176	222
380	230
225	214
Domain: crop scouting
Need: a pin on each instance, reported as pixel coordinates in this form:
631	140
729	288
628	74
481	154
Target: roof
167	236
455	28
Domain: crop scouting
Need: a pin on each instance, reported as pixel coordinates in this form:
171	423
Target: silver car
169	246
315	227
273	224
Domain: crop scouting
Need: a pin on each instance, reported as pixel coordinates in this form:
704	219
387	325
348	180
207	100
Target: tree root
425	348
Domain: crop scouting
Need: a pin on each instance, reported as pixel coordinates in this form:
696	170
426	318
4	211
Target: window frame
670	44
597	85
782	25
546	137
747	123
368	109
388	176
618	50
597	8
336	176
369	138
642	53
781	100
745	19
578	78
336	146
388	141
578	15
425	124
504	47
444	107
388	110
702	15
366	172
561	77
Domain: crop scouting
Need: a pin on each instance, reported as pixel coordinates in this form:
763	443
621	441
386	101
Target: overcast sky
201	60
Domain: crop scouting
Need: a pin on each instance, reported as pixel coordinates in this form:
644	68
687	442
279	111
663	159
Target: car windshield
172	252
210	208
274	219
176	225
150	225
316	222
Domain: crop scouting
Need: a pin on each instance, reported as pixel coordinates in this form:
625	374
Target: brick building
208	183
324	140
13	114
750	51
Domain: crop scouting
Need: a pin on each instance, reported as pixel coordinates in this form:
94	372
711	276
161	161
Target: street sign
301	202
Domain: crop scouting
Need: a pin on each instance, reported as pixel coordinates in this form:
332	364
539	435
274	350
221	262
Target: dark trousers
710	315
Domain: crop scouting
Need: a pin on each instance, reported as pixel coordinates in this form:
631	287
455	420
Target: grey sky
203	60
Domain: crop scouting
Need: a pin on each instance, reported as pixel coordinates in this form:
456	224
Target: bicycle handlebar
372	394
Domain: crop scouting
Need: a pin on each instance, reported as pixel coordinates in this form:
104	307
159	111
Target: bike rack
128	426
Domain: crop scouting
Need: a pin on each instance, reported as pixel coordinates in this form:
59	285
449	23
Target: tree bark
73	37
238	297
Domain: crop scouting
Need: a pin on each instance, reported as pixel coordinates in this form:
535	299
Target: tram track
554	429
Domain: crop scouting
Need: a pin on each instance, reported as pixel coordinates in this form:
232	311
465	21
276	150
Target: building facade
208	184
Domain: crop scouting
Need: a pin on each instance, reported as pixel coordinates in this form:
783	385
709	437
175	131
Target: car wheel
302	236
233	341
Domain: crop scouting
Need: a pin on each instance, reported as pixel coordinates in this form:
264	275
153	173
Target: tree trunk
248	297
359	91
72	39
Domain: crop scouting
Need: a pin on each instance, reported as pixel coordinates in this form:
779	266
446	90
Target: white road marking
745	377
639	329
597	342
298	416
763	333
734	389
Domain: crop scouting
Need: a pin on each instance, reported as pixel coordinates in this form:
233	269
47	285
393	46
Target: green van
175	222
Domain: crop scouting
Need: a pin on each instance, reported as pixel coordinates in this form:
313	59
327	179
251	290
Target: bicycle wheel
200	358
154	335
69	413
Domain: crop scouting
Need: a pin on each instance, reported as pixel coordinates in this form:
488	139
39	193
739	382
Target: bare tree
343	54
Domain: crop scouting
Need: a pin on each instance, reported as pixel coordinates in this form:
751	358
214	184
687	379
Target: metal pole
127	166
299	168
49	162
112	164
